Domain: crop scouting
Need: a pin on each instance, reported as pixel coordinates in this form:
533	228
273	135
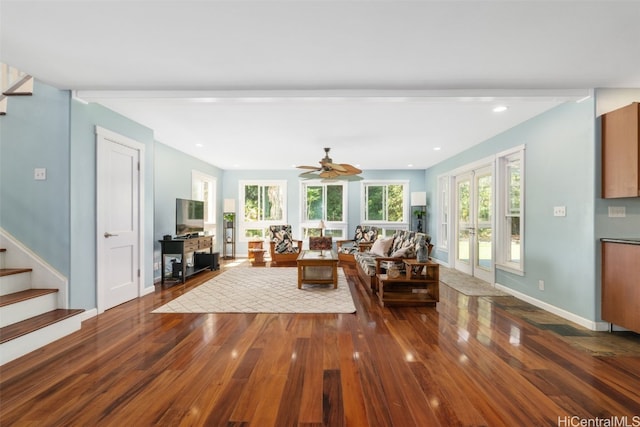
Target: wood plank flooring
469	361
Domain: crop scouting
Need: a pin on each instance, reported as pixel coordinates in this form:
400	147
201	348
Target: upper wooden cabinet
621	152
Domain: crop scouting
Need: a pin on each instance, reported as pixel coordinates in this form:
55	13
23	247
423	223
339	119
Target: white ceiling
268	84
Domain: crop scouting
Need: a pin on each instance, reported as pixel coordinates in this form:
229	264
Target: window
262	203
511	211
386	205
325	202
203	187
443	212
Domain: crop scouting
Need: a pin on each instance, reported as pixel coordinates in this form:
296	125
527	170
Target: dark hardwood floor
470	361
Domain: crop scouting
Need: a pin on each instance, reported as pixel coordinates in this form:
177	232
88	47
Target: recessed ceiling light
436	148
410	165
199	145
500	109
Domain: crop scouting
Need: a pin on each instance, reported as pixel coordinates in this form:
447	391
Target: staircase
30	315
14	83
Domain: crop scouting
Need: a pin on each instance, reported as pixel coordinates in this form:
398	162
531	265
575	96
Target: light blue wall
84	119
560	170
35	134
172	176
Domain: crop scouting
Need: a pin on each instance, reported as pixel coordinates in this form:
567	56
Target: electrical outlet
617	212
40	174
559	211
541	285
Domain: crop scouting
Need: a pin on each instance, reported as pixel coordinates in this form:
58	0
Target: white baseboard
147	291
589	324
88	314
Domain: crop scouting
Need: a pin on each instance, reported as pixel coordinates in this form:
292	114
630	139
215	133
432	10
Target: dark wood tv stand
204	258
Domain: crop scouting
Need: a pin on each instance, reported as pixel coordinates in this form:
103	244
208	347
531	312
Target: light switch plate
559	211
40	174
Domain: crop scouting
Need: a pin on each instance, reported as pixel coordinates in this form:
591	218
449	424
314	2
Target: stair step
23	87
24	296
32	324
11	271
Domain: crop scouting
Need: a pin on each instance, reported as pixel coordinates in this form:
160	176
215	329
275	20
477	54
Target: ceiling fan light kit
330	170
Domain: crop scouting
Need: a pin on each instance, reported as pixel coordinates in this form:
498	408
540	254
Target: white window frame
197	180
244	225
386	227
306	225
503	249
444	212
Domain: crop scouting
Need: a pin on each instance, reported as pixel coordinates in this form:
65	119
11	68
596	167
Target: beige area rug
263	290
468	285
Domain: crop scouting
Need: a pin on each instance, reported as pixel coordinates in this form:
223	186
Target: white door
118	219
474	223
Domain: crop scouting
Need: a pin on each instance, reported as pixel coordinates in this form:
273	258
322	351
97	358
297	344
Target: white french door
474	223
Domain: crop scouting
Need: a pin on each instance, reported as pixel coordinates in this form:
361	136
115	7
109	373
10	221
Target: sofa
388	253
364	237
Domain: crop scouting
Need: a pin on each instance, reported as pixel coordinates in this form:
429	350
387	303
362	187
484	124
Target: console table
419	285
203	256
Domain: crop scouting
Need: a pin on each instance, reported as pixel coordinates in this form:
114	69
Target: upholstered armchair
364	237
284	250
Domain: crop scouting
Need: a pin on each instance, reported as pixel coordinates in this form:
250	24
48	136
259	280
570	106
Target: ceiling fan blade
309	174
329	174
349	170
334	166
316	168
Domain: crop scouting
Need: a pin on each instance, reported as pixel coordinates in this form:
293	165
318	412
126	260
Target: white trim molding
589	324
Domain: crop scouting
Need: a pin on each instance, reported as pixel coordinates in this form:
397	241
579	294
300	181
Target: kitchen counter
628	241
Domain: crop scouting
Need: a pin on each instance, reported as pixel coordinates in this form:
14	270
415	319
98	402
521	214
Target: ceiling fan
330	170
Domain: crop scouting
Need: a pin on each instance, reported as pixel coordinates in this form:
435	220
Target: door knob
107	234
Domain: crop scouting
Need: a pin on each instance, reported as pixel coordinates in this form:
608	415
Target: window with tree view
513	210
324	202
263	204
385	202
511	176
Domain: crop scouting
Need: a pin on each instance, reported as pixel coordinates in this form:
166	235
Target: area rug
263	290
468	285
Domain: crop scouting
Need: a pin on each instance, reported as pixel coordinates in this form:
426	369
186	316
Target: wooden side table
256	253
257	257
419	285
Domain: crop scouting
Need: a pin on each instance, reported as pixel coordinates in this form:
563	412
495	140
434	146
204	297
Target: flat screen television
189	216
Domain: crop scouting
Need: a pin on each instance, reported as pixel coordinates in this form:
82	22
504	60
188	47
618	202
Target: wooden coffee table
317	267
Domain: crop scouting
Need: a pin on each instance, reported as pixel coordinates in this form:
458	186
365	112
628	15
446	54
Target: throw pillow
401	253
381	246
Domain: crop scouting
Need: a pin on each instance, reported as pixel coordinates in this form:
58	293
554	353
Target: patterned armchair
284	250
364	237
